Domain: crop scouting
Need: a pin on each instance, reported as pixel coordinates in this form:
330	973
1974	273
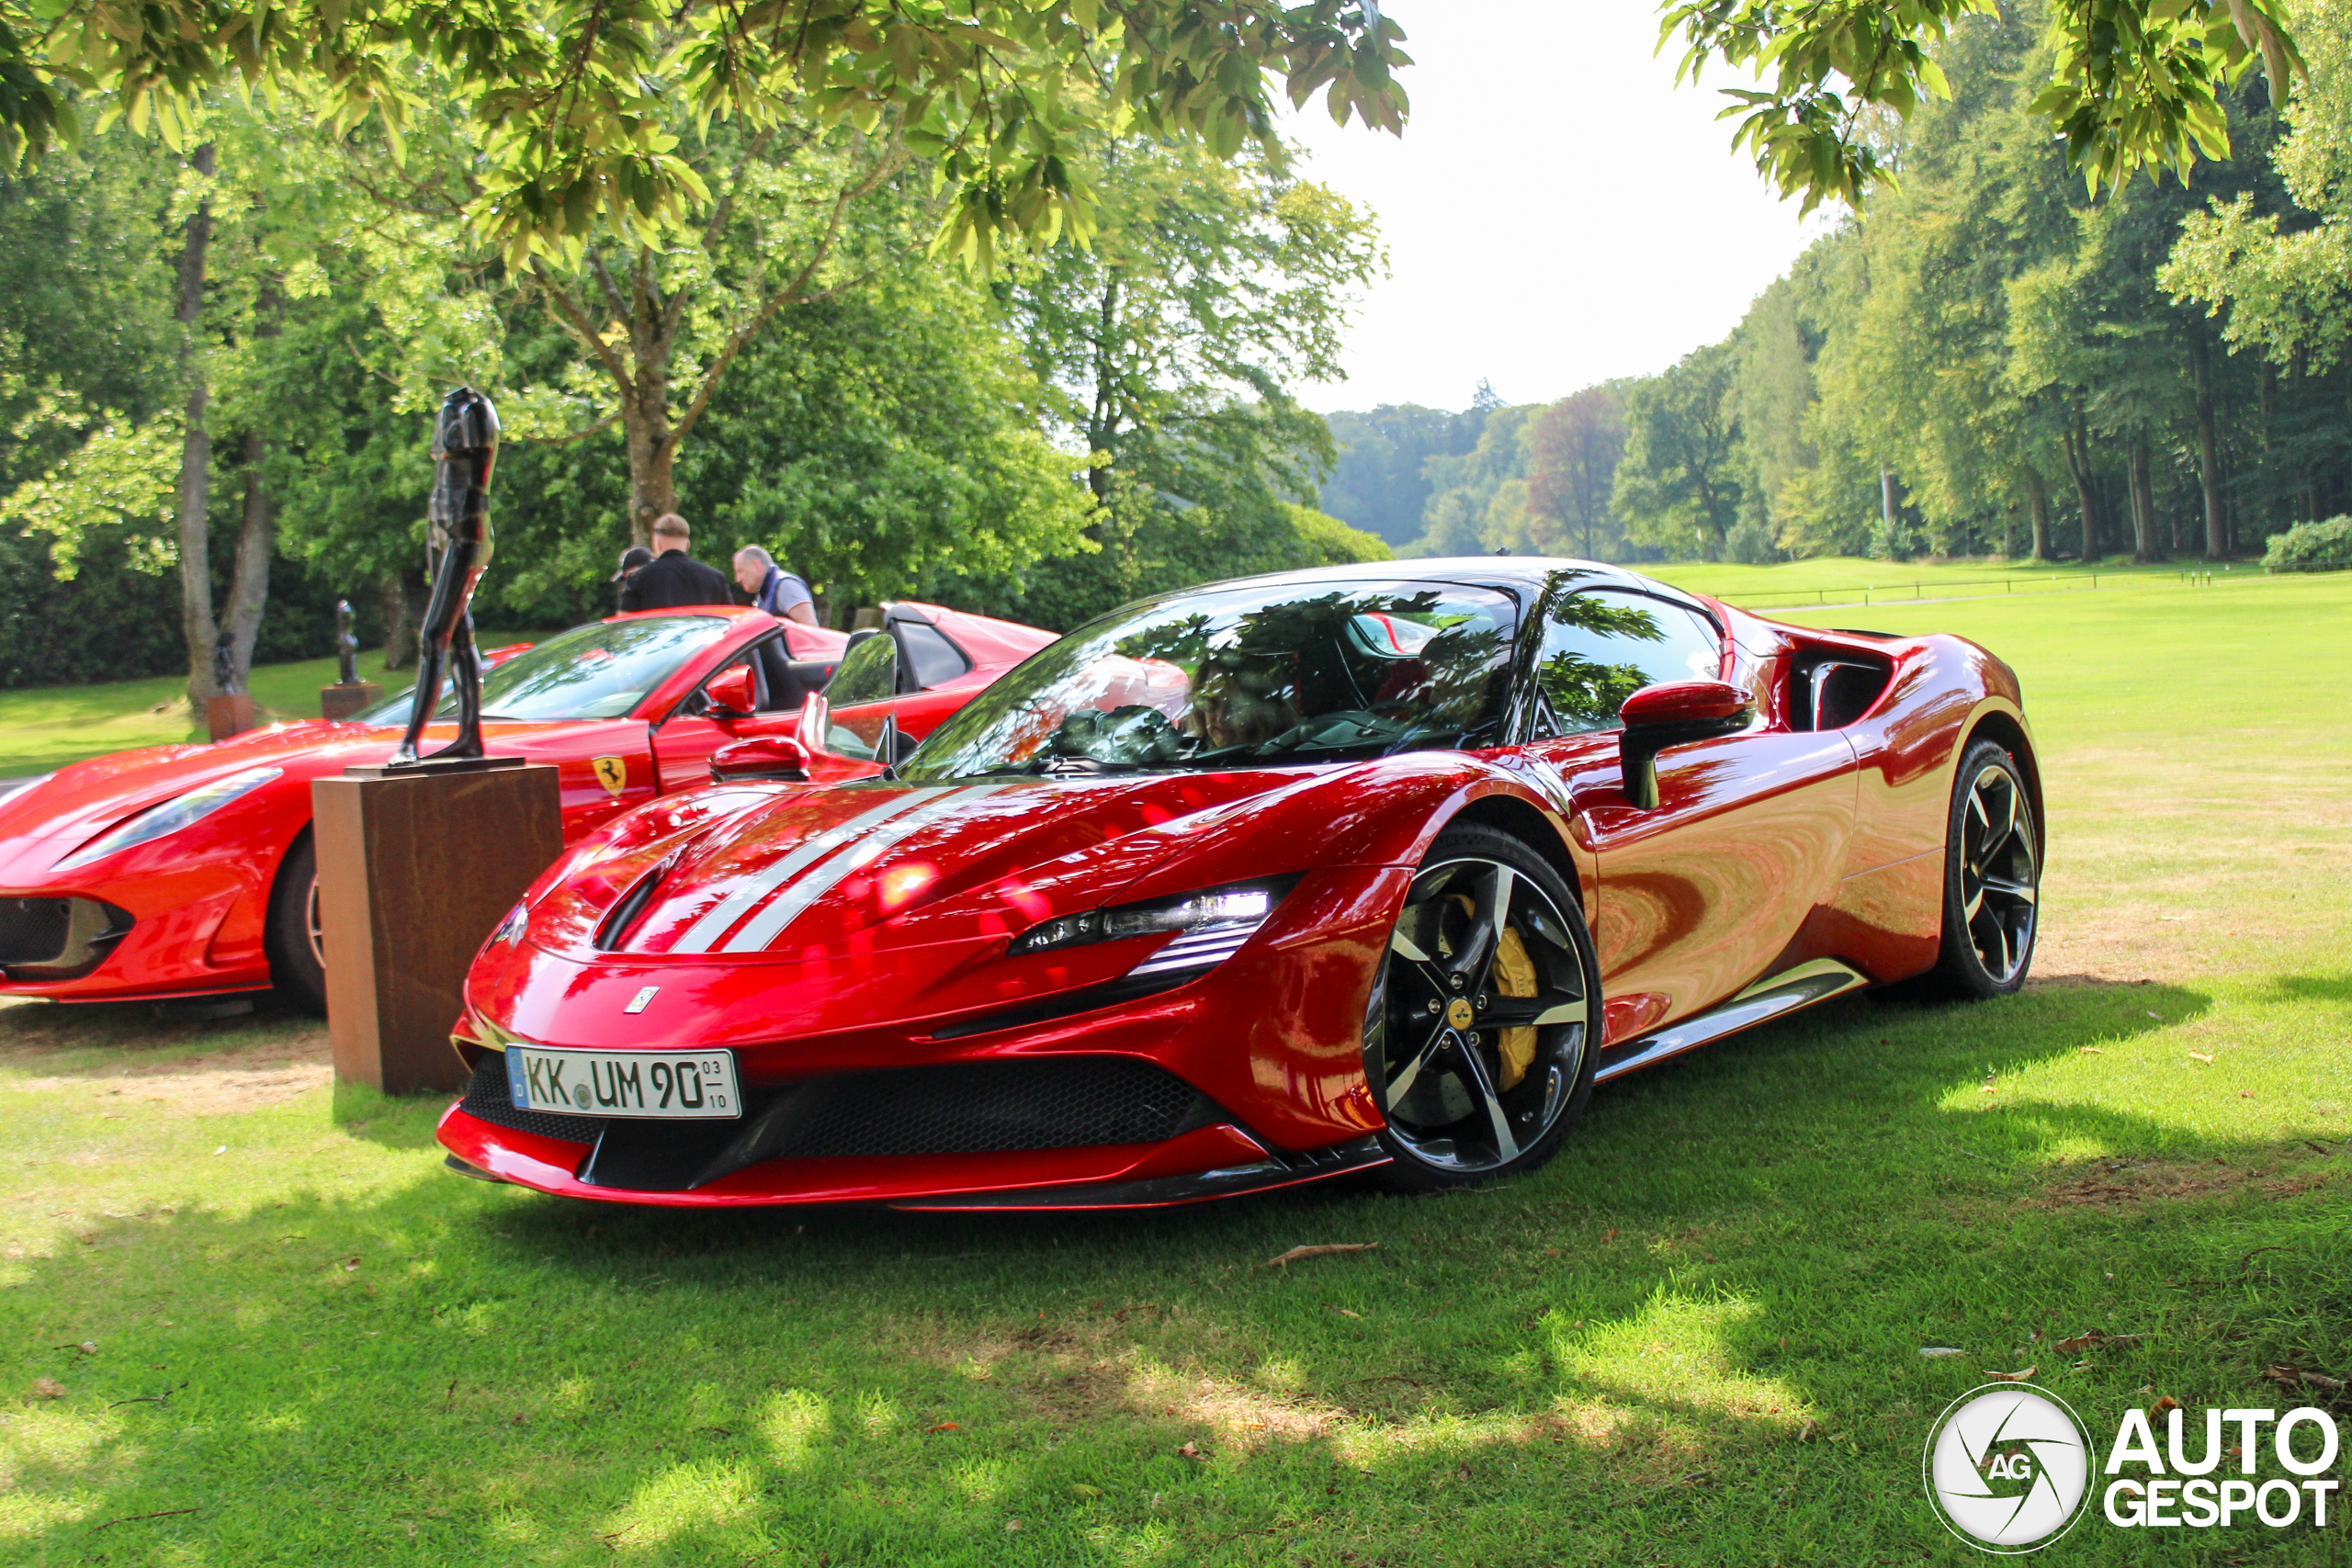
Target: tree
2133	84
570	111
1380	482
1573	449
1478	498
1174	348
1677	482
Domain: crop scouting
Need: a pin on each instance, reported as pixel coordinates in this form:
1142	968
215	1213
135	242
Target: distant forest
1988	359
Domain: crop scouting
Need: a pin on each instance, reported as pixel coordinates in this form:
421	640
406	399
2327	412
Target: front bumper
1249	1077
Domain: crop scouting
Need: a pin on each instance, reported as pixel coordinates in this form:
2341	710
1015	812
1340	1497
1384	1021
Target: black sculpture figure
465	446
346	646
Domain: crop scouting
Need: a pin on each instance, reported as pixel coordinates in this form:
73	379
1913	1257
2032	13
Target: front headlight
170	816
1213	924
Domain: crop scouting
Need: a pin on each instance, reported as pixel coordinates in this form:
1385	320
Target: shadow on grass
92	1038
1715	1295
2335	989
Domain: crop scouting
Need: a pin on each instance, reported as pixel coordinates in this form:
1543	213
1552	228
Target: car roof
1531	574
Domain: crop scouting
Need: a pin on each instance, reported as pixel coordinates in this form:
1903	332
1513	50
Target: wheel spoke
1402	1084
1482	1085
2022	892
1975	902
1485	932
1999	827
1519	1012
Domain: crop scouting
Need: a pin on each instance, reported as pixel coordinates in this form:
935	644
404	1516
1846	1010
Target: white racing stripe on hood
705	932
788	905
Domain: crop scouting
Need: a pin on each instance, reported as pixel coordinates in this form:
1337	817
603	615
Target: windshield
598	671
1242	676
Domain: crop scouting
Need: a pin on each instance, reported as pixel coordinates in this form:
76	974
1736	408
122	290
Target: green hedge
2309	545
113	623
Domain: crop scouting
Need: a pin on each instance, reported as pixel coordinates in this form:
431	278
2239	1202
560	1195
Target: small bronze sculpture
346	646
224	665
464	447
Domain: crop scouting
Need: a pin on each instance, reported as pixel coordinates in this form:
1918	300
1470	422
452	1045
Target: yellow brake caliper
1514	976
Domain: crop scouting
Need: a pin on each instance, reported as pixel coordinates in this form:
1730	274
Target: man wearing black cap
632	558
673	578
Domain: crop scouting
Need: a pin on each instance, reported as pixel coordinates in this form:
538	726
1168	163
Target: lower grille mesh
983	1108
33	930
488	1098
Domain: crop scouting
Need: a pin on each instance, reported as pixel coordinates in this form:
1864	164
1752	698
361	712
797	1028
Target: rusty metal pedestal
340	702
417	868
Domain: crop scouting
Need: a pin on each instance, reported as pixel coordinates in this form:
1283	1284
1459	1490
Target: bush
2308	545
114	622
1749	545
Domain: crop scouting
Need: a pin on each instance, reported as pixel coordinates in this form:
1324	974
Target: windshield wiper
1082	765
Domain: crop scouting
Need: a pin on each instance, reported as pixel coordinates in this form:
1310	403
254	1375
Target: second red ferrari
180	871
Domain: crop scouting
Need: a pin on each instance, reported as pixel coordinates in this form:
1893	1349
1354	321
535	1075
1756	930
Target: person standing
673	578
632	558
772	588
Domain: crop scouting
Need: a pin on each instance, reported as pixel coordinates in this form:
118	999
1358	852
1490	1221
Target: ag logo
2008	1468
612	772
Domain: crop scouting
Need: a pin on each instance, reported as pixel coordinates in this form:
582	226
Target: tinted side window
1601	647
868	673
934	657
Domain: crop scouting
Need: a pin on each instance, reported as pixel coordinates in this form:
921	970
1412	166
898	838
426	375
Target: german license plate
696	1086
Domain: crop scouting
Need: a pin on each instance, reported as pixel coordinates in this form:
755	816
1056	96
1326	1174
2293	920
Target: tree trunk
2145	545
256	542
258	534
1102	421
2037	495
196	457
2209	453
652	457
402	596
2076	446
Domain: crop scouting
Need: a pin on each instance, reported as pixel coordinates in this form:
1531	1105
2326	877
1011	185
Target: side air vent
1831	691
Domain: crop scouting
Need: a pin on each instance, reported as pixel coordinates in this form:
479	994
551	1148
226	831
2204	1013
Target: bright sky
1557	212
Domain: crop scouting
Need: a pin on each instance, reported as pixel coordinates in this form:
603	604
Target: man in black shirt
673	578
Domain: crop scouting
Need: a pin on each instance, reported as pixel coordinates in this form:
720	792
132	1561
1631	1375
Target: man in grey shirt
772	588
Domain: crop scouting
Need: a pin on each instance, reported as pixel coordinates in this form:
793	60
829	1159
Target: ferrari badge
612	772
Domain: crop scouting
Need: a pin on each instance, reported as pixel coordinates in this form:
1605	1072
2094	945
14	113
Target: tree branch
575	321
604	424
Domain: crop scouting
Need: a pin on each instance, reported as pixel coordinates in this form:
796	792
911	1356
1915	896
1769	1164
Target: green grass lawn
44	727
1851	579
250	1320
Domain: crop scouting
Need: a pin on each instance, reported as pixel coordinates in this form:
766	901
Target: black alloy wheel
297	950
1992	878
1479	1038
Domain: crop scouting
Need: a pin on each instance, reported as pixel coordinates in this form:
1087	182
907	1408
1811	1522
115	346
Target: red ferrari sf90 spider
1372	868
181	871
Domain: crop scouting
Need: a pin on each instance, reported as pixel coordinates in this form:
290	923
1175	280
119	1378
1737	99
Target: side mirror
1674	713
729	693
778	757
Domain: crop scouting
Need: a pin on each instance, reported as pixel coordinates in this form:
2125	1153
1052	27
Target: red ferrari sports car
1379	867
179	871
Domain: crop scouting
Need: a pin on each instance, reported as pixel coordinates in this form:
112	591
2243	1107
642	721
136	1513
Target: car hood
84	799
859	862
